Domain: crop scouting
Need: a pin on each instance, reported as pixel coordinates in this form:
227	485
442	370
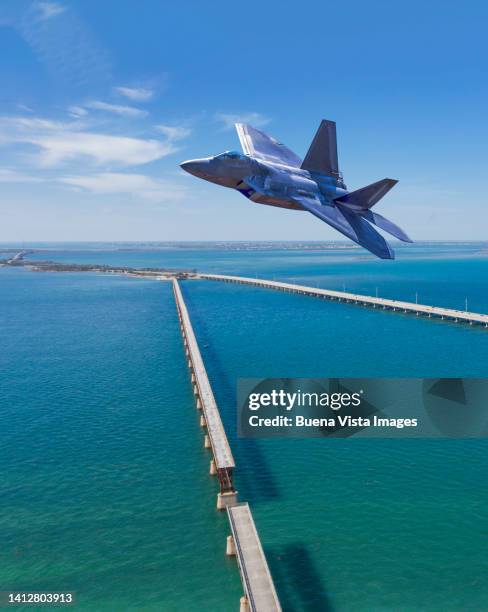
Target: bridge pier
227	499
230	549
244	605
213	468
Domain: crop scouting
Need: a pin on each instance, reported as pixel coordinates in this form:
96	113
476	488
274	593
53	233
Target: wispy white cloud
229	119
11	126
76	155
63	43
25	108
137	185
48	10
13	176
77	111
138	94
102	149
118	109
58	143
174	132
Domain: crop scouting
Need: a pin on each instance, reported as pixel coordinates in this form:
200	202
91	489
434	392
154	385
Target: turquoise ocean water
104	479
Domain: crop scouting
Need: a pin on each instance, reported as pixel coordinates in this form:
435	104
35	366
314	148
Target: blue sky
100	101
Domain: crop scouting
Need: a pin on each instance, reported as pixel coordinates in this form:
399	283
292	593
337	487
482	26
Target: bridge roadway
224	461
448	314
258	585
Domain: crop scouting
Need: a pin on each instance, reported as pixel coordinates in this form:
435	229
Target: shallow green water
104	478
352	524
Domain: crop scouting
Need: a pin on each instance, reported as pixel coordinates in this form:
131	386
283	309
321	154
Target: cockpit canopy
231	155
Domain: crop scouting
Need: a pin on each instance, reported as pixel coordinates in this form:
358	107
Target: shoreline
52	266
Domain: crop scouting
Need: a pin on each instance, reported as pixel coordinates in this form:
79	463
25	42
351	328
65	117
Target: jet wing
260	145
353	226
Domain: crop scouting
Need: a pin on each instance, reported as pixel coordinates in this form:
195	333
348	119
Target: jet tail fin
322	154
368	196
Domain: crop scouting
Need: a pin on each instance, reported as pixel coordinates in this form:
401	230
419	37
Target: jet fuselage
267	183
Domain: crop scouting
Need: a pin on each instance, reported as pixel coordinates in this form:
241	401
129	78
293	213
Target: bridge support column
213	468
207	442
226	499
230	549
203	422
244	605
199	404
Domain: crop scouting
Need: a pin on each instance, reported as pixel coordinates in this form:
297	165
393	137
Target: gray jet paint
269	173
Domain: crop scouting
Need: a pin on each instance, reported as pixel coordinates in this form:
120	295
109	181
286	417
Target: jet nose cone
194	166
188	166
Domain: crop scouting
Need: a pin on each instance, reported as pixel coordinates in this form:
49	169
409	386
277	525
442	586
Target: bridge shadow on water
254	478
299	584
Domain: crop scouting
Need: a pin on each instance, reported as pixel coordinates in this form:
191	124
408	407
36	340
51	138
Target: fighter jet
269	173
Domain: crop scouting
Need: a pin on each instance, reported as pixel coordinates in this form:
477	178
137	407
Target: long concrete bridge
259	590
446	314
222	463
17	257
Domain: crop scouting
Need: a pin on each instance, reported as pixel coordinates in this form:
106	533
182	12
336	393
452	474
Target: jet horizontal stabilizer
386	225
367	197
